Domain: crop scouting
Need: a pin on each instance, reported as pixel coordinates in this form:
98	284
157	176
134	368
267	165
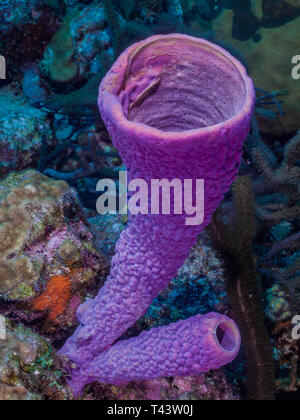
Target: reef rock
91	37
28	364
47	258
58	57
76	50
22	129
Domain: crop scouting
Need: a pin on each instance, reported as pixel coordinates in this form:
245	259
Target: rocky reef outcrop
47	257
77	49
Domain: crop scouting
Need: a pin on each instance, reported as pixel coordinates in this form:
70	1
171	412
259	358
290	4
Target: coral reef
47	254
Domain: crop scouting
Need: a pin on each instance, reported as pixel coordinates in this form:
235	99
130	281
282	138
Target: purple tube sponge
176	107
184	348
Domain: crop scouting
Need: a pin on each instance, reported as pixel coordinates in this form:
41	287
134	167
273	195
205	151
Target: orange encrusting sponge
55	298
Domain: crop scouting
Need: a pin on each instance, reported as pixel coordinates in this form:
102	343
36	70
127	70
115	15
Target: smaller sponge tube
184	348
